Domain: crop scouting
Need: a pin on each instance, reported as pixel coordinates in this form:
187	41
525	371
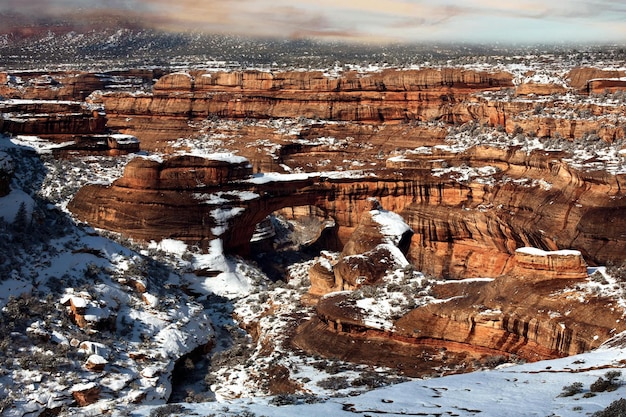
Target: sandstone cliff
534	312
461	227
390	96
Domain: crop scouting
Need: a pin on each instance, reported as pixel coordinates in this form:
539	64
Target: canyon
505	188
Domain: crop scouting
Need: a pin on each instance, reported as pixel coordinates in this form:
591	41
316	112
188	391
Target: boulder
86	394
95	363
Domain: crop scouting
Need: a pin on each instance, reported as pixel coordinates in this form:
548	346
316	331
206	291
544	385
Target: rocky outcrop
539	89
534	312
373	250
86	394
541	202
461	228
580	77
49	118
539	265
197	199
70	85
391	95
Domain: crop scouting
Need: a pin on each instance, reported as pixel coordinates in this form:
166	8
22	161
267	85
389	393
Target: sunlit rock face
534	311
537	311
462	227
540	265
391	96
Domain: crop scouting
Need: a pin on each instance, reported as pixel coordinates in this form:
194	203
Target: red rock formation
539	89
462	228
370	253
391	95
539	265
95	363
50	118
529	312
68	85
580	77
534	312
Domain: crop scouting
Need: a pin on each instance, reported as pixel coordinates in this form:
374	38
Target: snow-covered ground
535	389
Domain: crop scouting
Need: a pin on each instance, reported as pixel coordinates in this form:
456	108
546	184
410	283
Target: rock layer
460	228
534	312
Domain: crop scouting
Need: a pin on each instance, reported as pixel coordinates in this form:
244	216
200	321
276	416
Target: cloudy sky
519	21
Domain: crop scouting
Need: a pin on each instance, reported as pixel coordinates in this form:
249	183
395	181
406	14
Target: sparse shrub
292	399
494	360
334	383
618	272
616	409
284	399
599	278
572	389
611	382
167	410
6	403
370	379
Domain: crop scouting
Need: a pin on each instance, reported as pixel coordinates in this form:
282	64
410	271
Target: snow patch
540	252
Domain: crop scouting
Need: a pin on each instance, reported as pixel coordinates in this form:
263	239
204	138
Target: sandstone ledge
537	264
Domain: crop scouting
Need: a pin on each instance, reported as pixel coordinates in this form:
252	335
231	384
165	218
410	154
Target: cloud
410	20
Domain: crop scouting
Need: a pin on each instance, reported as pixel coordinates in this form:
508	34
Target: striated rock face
539	265
580	77
183	173
462	228
49	118
535	312
198	199
69	85
391	95
474	229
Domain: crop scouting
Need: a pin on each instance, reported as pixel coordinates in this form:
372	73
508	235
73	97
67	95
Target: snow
124	139
522	390
222	217
79	302
229	281
540	252
97	360
13	287
223	197
393	226
227	157
270	177
83	387
41	146
166	322
170	246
